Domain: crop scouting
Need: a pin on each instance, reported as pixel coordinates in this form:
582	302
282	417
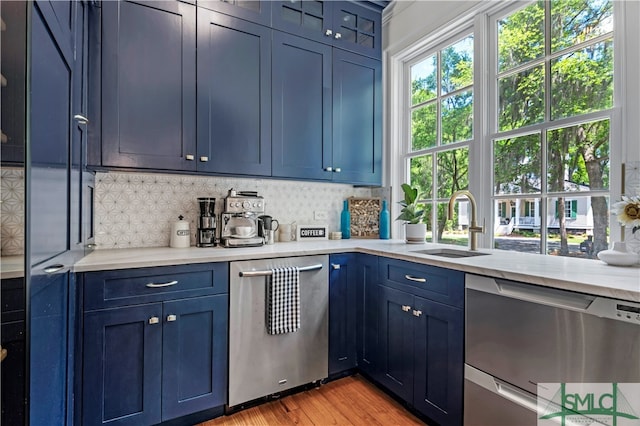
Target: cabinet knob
172	317
337	170
338	36
190	157
81	119
328	169
335	266
328	33
417	313
204	159
154	320
406	308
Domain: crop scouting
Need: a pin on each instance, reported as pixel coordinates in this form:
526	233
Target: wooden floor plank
348	401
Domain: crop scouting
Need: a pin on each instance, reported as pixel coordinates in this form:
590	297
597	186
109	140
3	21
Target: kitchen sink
445	252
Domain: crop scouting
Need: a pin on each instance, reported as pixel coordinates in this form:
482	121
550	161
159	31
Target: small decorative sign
365	217
312	232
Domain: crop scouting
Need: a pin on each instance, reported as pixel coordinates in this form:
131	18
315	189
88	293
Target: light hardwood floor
348	401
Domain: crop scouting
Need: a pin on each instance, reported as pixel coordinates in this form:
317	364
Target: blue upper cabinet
258	11
301	108
148	82
234	95
347	25
357	119
327	113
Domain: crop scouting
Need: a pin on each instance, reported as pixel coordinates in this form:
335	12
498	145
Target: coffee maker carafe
267	227
206	236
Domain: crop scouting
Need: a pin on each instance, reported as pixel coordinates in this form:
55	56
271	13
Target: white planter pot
415	233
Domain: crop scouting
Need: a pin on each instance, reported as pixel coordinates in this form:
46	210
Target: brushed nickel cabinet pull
338	36
154	320
190	157
204	159
328	33
406	308
53	268
337	170
169	284
171	318
335	265
81	119
417	313
416	279
328	169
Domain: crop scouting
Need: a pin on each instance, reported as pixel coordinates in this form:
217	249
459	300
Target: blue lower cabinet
342	313
438	361
122	365
147	363
421	353
194	352
396	342
367	313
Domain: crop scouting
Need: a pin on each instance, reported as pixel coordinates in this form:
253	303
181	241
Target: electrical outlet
320	215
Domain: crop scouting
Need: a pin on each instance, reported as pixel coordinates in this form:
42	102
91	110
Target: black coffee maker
206	236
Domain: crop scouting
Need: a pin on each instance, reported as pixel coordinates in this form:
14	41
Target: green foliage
411	212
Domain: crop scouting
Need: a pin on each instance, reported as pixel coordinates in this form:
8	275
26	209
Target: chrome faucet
473	227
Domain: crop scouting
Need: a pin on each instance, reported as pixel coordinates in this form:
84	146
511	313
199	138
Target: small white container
180	234
618	255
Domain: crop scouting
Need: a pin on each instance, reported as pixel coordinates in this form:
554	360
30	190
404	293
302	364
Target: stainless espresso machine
206	236
239	220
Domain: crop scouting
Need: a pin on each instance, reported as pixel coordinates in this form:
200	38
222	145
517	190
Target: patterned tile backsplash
12	211
136	210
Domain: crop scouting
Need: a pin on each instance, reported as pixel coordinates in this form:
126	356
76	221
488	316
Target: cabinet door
357	119
301	108
367	313
438	376
311	19
234	95
49	348
342	312
123	360
357	28
50	133
396	341
258	11
194	352
148	84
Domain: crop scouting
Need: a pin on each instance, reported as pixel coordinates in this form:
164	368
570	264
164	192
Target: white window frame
478	21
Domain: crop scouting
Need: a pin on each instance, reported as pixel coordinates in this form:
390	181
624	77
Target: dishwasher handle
530	293
268	272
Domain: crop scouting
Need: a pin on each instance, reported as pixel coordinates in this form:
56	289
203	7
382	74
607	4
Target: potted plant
412	214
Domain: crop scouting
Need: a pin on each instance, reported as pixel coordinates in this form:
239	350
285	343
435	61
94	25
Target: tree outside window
551	140
441	105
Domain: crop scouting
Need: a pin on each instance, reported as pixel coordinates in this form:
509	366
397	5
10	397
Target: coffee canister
180	234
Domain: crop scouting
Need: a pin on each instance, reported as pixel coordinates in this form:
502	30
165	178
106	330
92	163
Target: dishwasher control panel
628	311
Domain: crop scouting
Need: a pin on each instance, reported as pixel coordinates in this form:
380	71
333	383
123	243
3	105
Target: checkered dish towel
283	300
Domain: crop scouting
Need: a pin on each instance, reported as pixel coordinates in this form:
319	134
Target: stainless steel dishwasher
518	335
262	364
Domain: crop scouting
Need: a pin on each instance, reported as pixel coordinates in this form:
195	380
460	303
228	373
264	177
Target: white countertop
11	267
583	275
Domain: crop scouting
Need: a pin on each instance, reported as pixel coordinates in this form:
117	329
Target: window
553	79
542	77
441	123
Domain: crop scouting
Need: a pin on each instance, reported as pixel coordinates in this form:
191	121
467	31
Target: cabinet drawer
144	285
431	282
